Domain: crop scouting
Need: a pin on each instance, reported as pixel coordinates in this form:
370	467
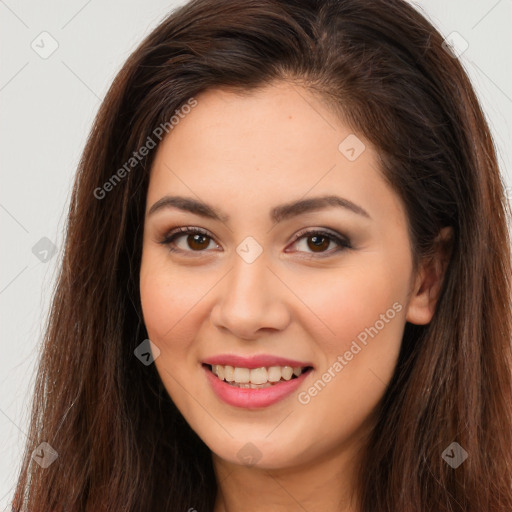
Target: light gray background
48	106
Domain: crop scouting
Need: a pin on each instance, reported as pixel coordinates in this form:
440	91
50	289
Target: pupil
196	239
316	242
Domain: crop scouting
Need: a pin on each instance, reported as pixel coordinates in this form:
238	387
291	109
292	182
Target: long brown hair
121	442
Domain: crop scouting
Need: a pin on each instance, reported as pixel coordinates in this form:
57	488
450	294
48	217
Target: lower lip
253	398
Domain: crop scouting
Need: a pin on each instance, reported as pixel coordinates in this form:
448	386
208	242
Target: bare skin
307	299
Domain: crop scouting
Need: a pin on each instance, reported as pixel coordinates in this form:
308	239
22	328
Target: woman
286	283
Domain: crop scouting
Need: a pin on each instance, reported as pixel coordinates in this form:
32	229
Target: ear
429	279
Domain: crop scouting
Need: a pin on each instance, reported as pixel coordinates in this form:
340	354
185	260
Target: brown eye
194	240
319	241
198	241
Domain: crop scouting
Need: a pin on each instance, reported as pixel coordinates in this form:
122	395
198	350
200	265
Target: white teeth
287	372
255	378
274	374
229	373
259	375
242	375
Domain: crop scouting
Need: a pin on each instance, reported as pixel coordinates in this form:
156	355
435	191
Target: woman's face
246	294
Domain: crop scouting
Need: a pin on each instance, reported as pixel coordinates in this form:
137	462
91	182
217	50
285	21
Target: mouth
256	378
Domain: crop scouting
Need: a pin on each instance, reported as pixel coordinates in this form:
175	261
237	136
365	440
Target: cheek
167	316
363	317
174	307
167	301
349	302
160	306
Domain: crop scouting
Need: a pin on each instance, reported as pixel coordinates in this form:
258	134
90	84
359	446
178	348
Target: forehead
267	146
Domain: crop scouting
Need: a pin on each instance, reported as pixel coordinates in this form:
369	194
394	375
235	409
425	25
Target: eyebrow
277	214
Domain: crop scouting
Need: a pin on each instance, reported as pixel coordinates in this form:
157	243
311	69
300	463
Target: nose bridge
249	280
250	298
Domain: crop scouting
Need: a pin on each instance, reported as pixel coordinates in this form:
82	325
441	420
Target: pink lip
253	398
260	361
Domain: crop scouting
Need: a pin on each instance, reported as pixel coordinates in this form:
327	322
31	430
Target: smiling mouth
256	378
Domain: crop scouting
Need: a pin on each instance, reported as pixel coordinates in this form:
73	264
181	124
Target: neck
324	484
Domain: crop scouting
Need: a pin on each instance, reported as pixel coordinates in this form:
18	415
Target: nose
251	300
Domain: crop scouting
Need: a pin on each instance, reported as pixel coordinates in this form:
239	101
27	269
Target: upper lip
259	361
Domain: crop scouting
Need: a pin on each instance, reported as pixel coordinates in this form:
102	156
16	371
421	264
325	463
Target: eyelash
343	243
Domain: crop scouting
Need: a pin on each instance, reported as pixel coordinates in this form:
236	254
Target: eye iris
197	238
316	244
